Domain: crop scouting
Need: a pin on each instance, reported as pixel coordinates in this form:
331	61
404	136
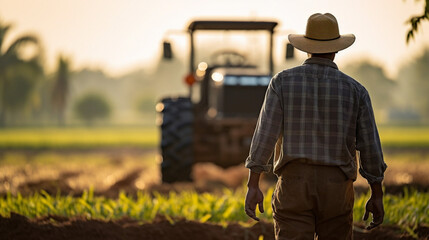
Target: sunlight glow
119	36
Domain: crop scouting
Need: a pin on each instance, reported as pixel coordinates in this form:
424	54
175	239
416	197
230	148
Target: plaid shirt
318	115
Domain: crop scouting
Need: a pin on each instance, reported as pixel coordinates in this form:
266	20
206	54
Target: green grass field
414	137
53	138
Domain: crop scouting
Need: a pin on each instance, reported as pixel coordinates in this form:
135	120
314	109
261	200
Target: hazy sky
121	35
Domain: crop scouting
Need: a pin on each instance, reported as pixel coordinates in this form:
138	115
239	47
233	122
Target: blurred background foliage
19	75
31	97
92	107
60	89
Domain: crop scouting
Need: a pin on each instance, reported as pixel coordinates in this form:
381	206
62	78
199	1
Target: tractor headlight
217	77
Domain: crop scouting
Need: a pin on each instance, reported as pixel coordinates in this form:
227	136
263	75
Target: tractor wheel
177	139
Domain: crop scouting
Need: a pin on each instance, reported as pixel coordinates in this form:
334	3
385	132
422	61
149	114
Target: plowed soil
132	170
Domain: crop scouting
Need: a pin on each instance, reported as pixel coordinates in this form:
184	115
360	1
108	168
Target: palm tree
11	57
59	94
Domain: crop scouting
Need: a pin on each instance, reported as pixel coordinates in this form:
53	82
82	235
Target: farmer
313	121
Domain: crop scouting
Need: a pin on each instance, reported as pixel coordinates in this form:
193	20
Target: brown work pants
313	202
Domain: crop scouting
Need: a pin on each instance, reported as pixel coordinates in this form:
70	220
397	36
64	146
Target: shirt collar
321	61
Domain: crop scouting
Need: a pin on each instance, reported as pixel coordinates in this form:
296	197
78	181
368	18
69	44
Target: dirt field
18	227
132	170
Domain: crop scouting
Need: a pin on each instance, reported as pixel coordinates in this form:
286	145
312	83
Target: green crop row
409	210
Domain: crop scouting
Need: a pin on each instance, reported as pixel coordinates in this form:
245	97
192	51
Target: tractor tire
177	139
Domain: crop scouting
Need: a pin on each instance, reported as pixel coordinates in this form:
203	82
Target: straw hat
321	36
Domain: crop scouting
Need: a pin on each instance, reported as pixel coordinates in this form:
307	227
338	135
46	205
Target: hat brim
308	45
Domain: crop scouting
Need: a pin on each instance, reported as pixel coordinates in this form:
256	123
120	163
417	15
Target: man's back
320	106
324	116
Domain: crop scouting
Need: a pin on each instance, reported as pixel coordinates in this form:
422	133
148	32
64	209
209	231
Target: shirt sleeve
267	131
372	165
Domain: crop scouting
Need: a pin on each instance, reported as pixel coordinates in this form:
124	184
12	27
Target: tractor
229	78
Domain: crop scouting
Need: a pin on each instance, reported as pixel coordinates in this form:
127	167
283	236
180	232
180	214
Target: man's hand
254	196
375	206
